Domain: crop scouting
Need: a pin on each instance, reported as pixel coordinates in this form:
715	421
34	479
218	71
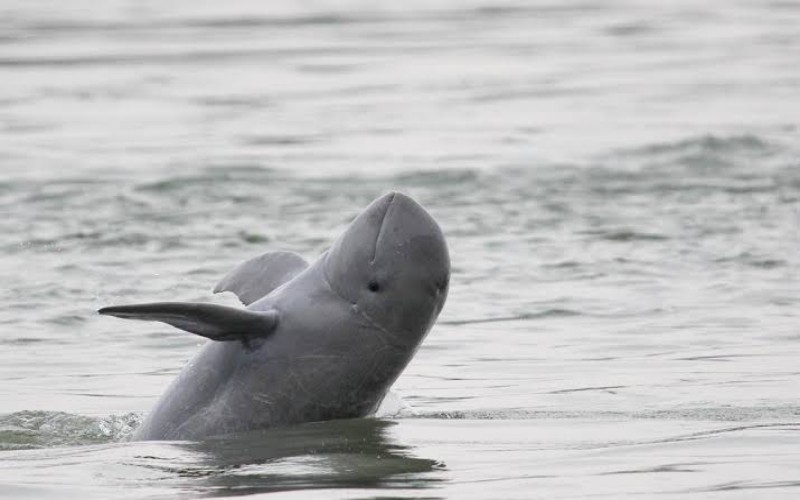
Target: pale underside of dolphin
314	341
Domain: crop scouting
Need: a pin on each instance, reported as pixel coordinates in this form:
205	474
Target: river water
618	181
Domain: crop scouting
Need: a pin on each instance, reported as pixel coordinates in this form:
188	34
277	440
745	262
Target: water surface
618	183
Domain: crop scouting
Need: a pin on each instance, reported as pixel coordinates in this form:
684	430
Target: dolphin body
314	342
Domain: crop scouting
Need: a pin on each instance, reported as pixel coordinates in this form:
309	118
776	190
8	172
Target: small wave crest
786	415
709	155
547	313
45	429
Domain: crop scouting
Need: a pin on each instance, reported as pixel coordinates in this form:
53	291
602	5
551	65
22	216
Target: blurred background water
619	183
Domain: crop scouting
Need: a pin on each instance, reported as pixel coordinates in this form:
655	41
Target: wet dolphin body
315	342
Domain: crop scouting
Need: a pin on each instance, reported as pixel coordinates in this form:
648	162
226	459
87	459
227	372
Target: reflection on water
354	454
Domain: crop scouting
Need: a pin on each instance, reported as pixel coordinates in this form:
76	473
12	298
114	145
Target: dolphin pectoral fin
255	278
207	320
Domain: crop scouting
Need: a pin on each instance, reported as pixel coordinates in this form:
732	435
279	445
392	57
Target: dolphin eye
373	286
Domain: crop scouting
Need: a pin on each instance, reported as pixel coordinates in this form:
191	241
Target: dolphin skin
313	342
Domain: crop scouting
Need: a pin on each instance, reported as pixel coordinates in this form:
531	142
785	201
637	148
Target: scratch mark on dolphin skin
308	357
264	400
299	384
372	322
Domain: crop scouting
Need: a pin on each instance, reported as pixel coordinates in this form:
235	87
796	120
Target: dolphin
314	342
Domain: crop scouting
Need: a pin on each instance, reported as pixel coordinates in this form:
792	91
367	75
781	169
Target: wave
758	416
26	430
32	429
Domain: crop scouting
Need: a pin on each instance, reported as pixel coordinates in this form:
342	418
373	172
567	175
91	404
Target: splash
45	429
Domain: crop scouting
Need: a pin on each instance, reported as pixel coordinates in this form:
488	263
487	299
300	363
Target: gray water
618	181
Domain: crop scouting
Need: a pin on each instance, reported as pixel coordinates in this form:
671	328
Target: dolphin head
392	264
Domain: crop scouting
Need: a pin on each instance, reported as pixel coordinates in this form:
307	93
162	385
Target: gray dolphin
314	342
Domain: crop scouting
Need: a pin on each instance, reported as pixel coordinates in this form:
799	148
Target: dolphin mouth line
380	229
